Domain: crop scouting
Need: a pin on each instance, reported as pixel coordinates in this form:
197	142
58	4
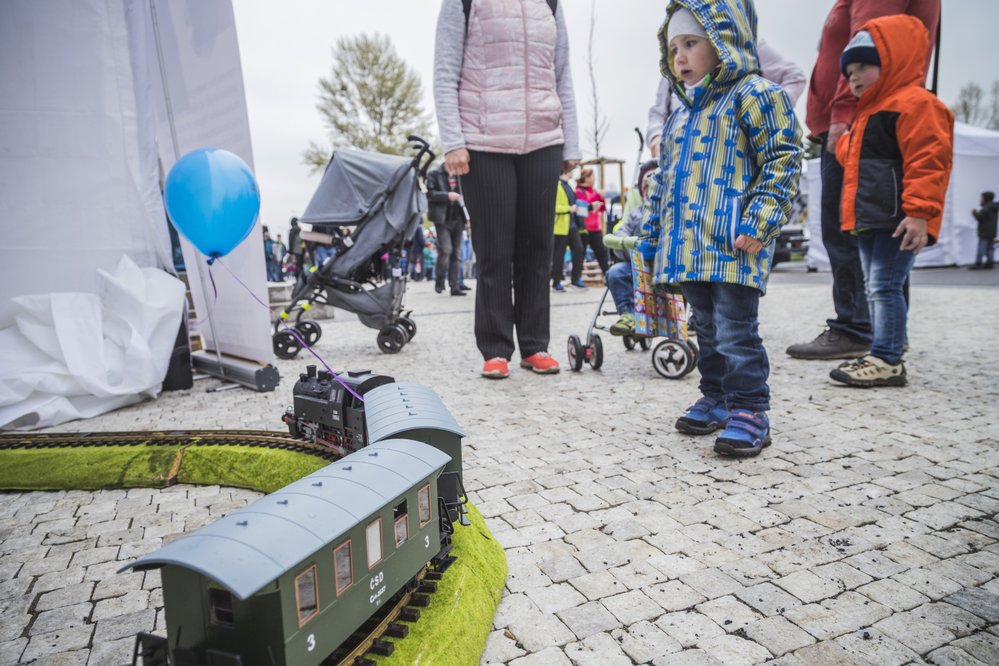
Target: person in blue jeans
730	162
618	278
897	159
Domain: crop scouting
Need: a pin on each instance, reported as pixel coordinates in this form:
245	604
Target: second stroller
378	199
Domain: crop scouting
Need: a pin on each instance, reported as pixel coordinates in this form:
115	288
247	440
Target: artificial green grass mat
452	631
250	467
142	466
86	468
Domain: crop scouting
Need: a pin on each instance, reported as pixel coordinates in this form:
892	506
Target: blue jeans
983	255
733	363
619	283
323	252
886	268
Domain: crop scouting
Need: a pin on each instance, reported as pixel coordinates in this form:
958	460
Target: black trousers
595	240
448	249
558	255
853	317
511	200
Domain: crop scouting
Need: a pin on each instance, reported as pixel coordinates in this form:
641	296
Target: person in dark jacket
447	212
986	216
829	113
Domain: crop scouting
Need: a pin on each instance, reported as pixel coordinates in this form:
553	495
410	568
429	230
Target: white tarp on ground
976	169
74	355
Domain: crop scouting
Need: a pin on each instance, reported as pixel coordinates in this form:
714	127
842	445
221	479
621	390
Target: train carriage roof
394	408
252	547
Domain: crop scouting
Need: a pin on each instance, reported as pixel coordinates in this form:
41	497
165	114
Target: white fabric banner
202	104
78	170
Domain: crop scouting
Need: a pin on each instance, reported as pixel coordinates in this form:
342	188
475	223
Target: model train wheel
629	342
574	348
286	345
596	356
644	343
392	339
310	331
672	358
409	325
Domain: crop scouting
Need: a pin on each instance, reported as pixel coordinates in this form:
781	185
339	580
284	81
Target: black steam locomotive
287	579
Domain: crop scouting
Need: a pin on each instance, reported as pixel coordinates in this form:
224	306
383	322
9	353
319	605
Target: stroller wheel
409	325
575	350
694	351
310	331
672	358
391	339
286	345
629	342
596	356
644	343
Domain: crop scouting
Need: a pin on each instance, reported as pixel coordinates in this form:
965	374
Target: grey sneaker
870	371
828	345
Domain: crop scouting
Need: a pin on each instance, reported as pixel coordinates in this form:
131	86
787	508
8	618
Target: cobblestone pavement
865	534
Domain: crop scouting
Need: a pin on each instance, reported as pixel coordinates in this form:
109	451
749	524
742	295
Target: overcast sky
286	46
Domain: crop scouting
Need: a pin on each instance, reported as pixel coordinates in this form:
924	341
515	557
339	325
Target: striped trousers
511	201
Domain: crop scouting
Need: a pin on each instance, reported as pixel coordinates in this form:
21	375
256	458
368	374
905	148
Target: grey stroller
376	202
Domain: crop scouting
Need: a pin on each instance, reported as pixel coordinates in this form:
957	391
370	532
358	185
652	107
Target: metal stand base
244	373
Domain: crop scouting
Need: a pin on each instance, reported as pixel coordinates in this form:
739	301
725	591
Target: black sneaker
828	345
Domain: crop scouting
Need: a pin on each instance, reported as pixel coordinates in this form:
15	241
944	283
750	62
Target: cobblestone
856	538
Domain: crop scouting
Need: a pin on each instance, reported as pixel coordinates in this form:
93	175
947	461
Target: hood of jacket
731	27
902	43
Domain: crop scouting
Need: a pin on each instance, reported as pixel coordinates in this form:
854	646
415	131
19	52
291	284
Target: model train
287	579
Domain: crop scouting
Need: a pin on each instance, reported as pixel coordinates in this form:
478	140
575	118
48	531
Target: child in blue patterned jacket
730	160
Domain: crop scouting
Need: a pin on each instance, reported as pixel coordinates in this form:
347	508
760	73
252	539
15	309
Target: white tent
976	169
97	99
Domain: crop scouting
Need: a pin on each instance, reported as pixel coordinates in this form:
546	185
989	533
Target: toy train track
371	638
258	438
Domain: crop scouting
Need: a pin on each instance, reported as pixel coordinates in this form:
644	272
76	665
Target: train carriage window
306	595
423	498
373	534
220	607
343	567
401	516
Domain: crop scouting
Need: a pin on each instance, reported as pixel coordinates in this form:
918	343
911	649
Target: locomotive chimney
311	370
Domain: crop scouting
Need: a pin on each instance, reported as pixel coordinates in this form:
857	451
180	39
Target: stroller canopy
353	184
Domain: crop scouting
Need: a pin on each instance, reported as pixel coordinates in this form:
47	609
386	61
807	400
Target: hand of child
748	244
647	248
453	196
913	233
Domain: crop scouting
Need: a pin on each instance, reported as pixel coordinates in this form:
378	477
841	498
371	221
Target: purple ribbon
290	329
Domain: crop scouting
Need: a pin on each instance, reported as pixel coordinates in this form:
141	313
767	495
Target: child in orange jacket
897	161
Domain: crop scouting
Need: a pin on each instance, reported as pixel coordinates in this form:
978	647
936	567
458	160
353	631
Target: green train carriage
285	580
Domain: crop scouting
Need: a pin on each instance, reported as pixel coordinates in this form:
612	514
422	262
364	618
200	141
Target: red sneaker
496	368
542	363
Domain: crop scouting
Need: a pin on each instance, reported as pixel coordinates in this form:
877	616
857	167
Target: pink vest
507	92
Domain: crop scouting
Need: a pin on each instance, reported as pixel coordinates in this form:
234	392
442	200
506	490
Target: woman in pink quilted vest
507	119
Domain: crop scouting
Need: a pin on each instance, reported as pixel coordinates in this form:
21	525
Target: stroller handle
425	151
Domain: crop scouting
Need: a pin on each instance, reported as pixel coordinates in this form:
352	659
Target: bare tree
600	123
969	107
372	100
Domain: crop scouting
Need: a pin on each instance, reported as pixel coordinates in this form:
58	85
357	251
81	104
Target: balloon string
291	330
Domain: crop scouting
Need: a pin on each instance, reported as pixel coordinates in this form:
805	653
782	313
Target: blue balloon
212	198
